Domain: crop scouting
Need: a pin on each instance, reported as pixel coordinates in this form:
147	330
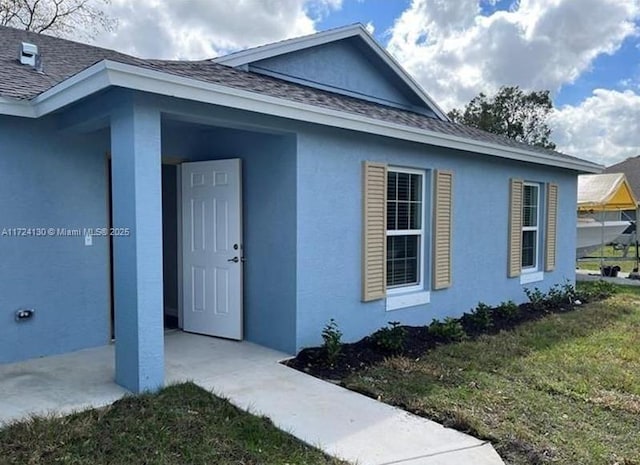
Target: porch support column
137	205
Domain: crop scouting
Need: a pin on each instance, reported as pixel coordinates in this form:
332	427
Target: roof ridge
290	39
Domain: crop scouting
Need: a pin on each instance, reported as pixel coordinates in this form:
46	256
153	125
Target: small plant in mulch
537	299
508	310
448	330
479	319
561	297
390	339
332	337
336	360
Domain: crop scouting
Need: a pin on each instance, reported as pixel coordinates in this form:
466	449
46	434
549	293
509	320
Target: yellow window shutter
515	228
374	228
552	227
442	216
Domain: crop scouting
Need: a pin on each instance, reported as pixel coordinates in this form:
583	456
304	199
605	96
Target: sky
585	52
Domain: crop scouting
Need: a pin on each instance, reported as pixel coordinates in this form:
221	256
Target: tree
57	17
512	113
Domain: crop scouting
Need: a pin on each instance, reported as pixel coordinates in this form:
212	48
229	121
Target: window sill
531	277
410	299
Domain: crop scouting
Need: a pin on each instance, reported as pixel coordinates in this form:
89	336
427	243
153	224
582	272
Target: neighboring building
631	169
255	197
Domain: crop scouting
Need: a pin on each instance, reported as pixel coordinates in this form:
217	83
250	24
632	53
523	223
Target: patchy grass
181	424
564	389
625	265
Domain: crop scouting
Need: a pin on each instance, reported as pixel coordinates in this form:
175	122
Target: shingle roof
631	169
63	58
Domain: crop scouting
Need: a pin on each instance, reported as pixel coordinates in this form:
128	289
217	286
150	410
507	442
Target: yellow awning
605	192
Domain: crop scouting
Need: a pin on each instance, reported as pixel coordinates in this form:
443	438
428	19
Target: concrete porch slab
342	423
58	384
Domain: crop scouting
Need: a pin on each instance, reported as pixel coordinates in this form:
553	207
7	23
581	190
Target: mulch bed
417	342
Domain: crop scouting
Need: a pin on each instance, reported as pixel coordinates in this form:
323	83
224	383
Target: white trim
535	267
410	232
407	299
109	73
294	44
531	277
251	55
15	107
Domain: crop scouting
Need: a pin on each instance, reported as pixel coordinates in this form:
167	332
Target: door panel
212	248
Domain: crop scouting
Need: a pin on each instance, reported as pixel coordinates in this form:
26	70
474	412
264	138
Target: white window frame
535	267
406	232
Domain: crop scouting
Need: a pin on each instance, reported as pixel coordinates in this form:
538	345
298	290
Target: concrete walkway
340	422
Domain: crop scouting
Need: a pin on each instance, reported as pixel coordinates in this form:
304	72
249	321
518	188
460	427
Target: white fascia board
355	30
168	84
110	73
86	82
286	46
16	107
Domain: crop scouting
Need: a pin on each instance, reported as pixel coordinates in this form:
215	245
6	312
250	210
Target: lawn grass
608	251
564	389
182	424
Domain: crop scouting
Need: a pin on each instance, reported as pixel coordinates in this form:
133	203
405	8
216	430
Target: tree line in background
512	113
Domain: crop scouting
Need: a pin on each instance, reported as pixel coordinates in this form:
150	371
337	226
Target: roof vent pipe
28	54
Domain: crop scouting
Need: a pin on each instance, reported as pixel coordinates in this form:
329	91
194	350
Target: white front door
212	248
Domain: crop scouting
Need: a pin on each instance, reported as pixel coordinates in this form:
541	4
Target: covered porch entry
195	195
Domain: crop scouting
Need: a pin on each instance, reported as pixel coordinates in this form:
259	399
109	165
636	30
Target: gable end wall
345	67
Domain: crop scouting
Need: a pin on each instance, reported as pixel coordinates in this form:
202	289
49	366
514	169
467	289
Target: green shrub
595	290
390	338
537	298
332	341
508	310
449	329
561	295
480	317
570	291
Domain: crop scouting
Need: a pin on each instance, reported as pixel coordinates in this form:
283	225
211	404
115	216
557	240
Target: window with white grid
530	226
405	228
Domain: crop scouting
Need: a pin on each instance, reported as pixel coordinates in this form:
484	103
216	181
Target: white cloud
370	27
604	128
197	29
455	52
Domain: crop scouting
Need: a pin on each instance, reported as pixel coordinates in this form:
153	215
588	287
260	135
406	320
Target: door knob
234	260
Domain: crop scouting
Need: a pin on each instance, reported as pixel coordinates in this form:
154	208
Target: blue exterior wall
68	172
302	197
58	180
330	230
347	67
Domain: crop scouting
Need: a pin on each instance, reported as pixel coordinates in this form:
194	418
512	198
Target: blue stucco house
254	196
